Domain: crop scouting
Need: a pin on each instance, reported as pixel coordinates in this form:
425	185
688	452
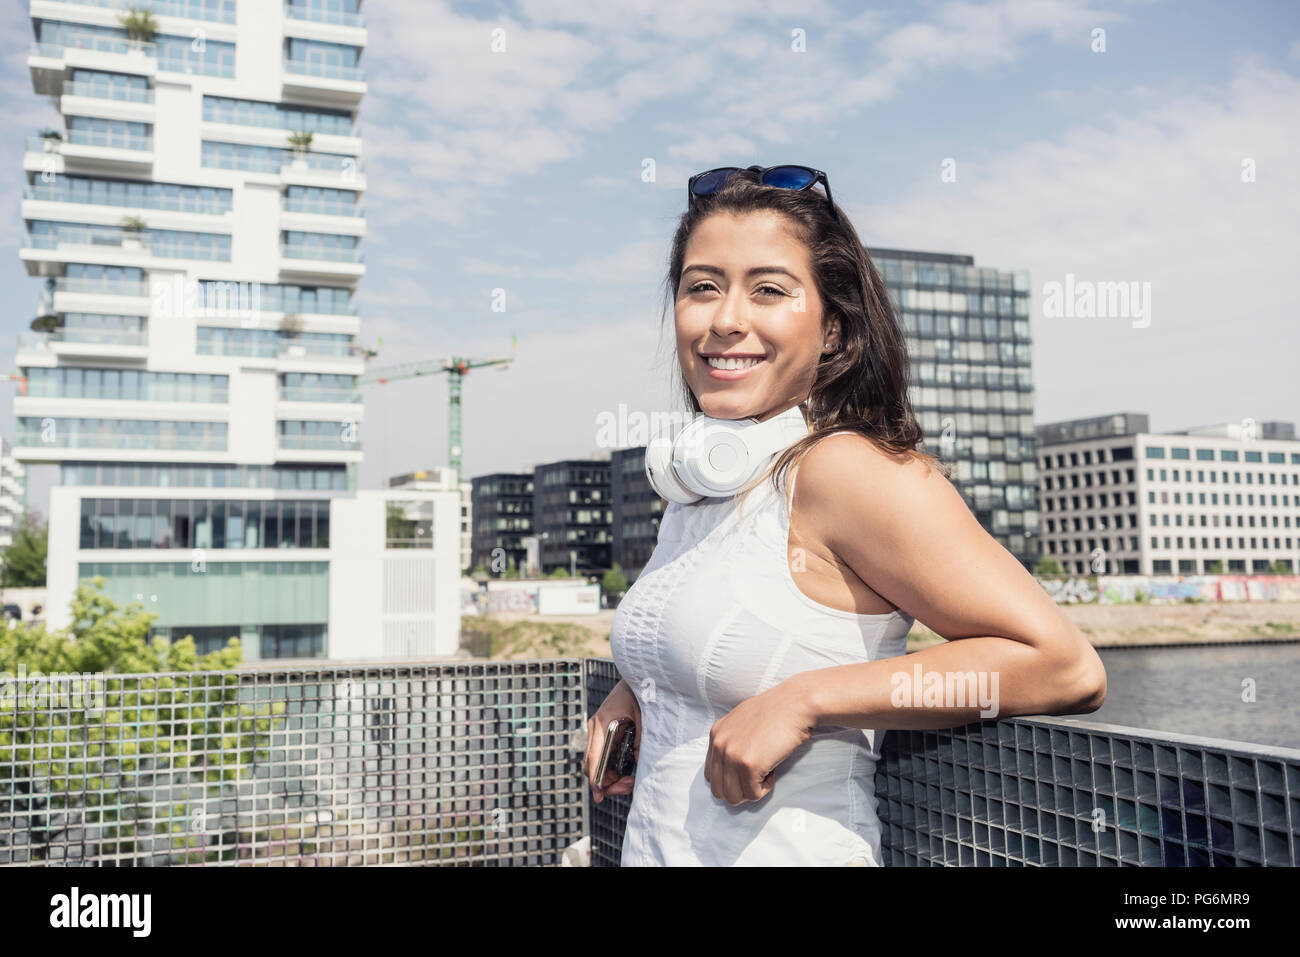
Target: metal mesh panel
609	817
422	764
1051	792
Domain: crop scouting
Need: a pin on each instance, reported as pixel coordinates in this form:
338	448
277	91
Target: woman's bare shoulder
852	470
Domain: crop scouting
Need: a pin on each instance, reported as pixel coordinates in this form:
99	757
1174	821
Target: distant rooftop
951	258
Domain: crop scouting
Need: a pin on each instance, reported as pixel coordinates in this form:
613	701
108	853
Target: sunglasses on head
783	177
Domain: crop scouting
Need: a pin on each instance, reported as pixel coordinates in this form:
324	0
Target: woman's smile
731	367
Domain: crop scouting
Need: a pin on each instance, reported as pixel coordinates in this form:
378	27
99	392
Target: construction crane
456	369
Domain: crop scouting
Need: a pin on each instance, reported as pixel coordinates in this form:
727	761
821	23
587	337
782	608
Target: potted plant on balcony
52	138
290	329
133	228
141	27
300	142
48	323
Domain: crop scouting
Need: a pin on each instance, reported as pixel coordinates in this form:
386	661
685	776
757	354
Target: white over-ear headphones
716	457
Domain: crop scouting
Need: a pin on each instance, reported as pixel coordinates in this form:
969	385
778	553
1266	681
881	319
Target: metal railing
331	71
121	141
480	762
112	287
106	91
101	44
217	13
337	254
59	193
456	763
324	207
319	15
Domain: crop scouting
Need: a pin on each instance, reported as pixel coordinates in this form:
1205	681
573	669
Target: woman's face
747	291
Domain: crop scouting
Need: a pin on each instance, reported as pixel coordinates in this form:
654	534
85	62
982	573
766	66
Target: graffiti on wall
1115	589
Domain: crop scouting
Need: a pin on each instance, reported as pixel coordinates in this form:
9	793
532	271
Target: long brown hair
863	385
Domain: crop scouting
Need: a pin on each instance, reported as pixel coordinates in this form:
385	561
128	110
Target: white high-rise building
13	493
194	373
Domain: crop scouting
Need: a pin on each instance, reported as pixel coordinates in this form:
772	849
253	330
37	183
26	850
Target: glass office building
967	331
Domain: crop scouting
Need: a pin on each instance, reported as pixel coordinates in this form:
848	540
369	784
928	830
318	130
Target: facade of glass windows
186	343
637	511
967	332
130	523
572	516
502	507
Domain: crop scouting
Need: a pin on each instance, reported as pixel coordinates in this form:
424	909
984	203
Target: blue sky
521	170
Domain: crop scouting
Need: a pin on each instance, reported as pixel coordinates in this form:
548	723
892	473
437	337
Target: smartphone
618	754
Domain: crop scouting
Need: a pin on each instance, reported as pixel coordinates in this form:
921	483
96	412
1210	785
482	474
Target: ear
831	337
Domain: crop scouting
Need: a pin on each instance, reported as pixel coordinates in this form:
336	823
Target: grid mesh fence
1055	792
455	764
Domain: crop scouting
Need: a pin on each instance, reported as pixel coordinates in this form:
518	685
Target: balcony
321	207
105	91
324	84
56	193
166	8
317	15
89	343
49	62
485	744
318	394
90	151
320	262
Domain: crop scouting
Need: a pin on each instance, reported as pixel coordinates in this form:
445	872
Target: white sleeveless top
715	618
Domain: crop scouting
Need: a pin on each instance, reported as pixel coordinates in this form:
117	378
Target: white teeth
721	363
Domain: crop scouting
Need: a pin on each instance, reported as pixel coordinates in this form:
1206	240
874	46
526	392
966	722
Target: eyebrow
756	271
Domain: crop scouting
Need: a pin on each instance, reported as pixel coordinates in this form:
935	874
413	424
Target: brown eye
772	289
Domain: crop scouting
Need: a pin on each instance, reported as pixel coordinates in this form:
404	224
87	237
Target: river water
1203	691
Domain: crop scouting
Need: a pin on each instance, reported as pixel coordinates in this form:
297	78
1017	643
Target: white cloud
1154	196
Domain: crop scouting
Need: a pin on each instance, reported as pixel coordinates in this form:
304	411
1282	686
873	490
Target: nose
731	315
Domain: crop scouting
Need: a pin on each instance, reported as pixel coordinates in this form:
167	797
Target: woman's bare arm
906	532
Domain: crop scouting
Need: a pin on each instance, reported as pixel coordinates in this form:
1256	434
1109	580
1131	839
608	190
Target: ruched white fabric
715	618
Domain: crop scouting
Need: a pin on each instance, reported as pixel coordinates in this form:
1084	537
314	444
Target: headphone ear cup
713	456
663	478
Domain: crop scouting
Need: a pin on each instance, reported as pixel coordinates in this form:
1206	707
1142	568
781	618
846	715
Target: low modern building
442	479
637	510
573	515
1121	499
375	574
501	505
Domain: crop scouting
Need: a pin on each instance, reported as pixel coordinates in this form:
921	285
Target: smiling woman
760	655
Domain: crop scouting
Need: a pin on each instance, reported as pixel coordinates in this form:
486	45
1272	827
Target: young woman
761	647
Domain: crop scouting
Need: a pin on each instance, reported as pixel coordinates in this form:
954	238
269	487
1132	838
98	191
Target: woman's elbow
1088	688
1080	687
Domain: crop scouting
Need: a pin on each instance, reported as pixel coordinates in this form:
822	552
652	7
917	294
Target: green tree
126	763
1214	568
560	572
1048	567
614	582
24	559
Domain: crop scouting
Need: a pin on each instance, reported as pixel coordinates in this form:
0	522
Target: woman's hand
747	743
619	703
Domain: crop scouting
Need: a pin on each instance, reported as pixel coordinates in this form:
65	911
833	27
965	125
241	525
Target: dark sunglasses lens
789	177
712	181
